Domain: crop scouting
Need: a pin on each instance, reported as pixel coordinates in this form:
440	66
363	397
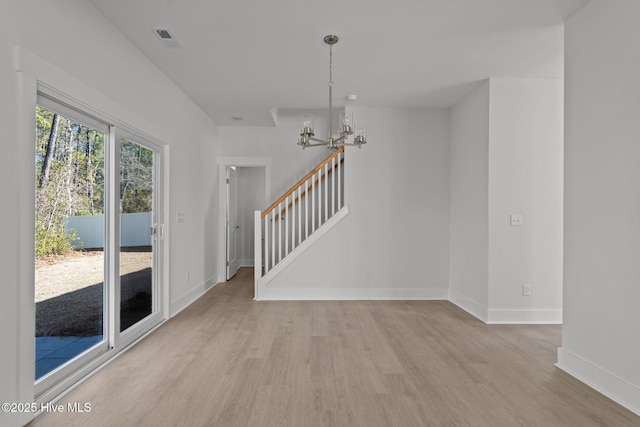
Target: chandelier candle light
338	139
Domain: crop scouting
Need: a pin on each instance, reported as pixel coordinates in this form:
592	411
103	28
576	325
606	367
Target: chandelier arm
341	138
318	140
322	144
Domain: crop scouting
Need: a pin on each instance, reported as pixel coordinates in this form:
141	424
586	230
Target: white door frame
223	162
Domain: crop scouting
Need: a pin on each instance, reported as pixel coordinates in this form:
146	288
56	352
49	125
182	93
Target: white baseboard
336	294
470	306
603	381
505	316
188	299
517	316
246	262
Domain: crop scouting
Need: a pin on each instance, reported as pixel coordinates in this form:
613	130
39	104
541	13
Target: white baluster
279	231
313	204
294	207
306	208
326	186
320	210
339	173
273	237
266	243
257	247
286	226
299	214
319	184
333	186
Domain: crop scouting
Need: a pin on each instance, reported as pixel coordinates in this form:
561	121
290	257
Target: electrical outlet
188	277
516	220
367	273
526	290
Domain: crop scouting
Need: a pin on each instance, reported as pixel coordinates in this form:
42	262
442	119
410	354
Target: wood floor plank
227	360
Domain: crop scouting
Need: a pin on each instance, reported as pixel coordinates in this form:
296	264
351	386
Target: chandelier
337	139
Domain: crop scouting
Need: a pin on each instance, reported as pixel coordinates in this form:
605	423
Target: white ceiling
247	57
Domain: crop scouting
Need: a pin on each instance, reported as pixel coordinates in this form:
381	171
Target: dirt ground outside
69	291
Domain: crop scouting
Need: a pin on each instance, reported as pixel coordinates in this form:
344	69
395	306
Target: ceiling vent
165	37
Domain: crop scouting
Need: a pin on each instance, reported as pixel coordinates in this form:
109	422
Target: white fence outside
136	229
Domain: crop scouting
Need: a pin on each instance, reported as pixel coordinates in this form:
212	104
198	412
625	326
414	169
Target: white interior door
232	222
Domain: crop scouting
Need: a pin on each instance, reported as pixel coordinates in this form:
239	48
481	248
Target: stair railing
300	211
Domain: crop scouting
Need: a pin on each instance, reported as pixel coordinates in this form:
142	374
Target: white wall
469	198
506	158
525	177
92	62
601	333
10	390
397	191
251	198
289	161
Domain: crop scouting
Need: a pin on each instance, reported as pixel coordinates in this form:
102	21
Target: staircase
300	215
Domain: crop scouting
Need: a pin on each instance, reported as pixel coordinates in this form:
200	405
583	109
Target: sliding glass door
97	239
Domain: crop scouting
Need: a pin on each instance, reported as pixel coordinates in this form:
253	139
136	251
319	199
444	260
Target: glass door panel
69	239
137	233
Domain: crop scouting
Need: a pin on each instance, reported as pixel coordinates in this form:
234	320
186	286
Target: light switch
516	220
180	217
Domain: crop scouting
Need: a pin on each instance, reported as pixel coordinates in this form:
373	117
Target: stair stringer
263	281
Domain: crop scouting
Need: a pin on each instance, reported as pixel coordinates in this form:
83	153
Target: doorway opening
245	195
244	187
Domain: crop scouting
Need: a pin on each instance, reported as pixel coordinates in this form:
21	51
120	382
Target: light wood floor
229	361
